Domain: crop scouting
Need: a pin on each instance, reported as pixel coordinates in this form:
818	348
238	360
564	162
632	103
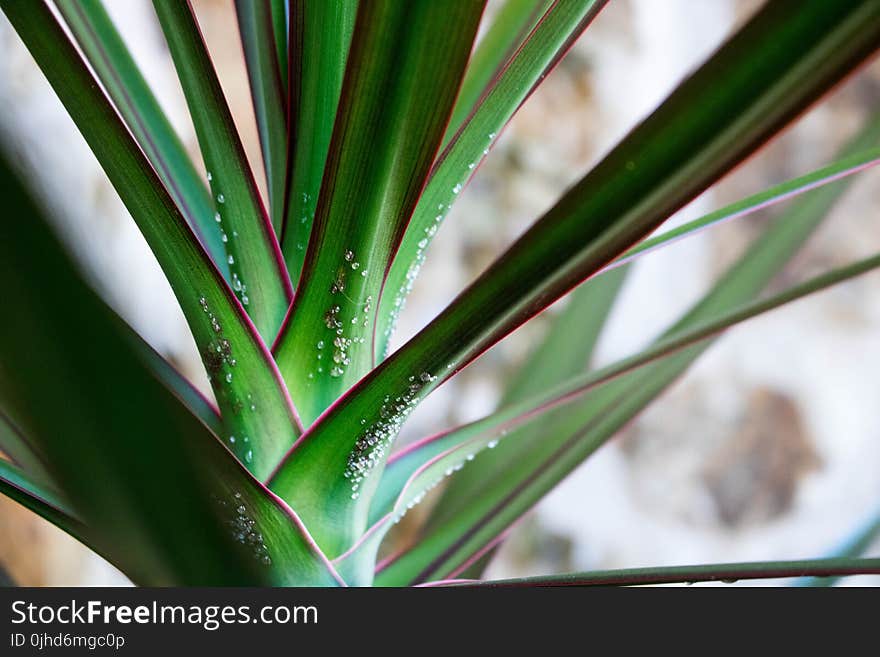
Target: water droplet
221	199
492	444
230	260
229	377
217	217
210	176
249	455
456	189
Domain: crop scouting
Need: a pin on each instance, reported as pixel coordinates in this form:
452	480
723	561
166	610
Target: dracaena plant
372	116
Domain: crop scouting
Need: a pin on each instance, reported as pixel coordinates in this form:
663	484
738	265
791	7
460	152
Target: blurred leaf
721	572
773	68
269	92
564	351
508	89
517	474
39	498
109	57
416	469
175	382
854	546
320	35
259	277
246	383
404	68
771	196
164	498
21	451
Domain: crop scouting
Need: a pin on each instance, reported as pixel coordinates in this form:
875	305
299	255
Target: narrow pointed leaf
720	572
404	69
42	495
256	24
536	56
109	57
259	277
518	474
760	201
161	496
775	66
21	451
280	10
248	387
510	27
422	465
320	35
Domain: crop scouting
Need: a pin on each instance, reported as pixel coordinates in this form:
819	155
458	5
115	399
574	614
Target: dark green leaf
162	498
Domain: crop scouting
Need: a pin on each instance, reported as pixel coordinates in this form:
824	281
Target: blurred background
768	449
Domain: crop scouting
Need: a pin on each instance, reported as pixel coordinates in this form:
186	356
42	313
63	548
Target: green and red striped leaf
404	69
781	61
248	387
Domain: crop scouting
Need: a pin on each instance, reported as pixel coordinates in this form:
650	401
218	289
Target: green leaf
280	9
175	382
262	53
776	194
509	88
510	27
854	546
246	383
320	35
413	471
775	66
162	498
719	572
109	57
259	277
38	497
517	474
22	452
563	353
404	68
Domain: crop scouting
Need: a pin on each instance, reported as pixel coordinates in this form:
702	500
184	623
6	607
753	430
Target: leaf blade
538	54
207	302
404	67
475	513
259	277
674	154
108	55
263	56
722	572
161	496
320	33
